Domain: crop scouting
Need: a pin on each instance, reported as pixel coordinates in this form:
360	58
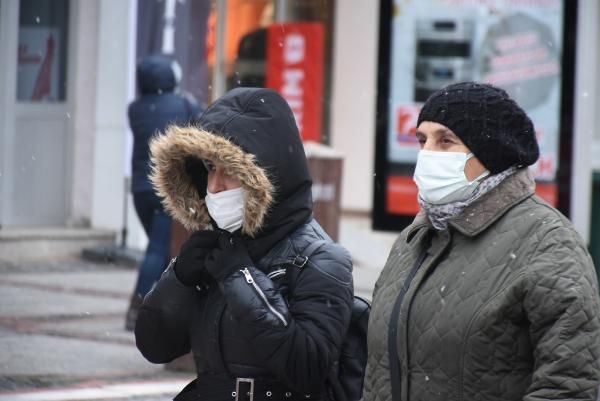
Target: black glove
231	254
189	267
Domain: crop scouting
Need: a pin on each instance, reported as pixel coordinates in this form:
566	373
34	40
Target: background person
157	106
490	294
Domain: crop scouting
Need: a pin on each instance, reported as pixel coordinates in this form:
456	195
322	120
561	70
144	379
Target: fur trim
168	154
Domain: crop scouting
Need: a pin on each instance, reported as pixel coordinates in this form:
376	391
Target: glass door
42	52
39	138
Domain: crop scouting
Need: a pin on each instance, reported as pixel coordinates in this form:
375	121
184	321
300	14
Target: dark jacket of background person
157	107
293	335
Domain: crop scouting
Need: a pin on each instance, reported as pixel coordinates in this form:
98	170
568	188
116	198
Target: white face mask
226	208
441	178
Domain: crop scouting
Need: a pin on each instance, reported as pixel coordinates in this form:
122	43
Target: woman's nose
215	182
428	145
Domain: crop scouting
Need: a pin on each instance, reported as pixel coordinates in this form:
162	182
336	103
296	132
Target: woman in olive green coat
490	294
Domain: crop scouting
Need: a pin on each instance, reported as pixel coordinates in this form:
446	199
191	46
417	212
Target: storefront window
286	46
42	51
180	29
426	45
281	44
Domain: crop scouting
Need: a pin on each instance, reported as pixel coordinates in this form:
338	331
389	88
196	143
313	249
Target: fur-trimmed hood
252	132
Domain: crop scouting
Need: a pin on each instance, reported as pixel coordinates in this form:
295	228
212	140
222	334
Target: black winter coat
231	329
275	325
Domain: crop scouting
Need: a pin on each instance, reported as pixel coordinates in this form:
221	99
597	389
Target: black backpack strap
301	259
395	377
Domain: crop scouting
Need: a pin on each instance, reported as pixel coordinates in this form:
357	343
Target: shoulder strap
395	377
301	259
295	264
313	247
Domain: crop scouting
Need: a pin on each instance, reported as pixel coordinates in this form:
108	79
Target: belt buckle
244	380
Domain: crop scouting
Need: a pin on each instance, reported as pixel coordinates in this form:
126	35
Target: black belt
240	389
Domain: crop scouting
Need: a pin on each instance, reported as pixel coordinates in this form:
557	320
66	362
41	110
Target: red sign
401	196
406	124
548	192
295	70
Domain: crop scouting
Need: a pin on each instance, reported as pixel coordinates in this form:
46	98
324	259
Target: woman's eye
208	165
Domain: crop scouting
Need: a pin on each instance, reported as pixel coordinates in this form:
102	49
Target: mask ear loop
481	176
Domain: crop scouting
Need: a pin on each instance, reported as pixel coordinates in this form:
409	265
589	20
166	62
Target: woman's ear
195	169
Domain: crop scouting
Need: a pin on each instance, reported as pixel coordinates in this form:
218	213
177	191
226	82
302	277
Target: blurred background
355	73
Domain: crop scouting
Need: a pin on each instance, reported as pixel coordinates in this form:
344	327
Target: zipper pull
248	276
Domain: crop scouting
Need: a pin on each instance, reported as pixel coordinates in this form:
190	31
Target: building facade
69	74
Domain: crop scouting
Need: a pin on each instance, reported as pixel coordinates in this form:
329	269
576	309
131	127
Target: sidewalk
369	250
62	335
62	327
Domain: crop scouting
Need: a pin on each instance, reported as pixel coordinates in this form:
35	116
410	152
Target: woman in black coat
262	321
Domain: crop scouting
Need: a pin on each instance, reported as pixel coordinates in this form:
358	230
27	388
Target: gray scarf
440	214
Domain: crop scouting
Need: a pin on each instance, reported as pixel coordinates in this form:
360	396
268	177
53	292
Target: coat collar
487	209
494	204
420	221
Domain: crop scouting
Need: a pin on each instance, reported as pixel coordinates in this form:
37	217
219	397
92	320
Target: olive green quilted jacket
504	307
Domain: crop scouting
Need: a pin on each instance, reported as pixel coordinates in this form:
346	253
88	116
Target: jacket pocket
261	294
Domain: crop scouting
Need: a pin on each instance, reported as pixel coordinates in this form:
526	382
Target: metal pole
219	78
168	37
280	10
125	205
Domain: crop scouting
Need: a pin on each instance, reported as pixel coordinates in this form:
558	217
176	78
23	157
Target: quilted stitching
509	314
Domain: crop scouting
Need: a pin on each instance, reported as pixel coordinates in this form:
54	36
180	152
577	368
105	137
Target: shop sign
295	70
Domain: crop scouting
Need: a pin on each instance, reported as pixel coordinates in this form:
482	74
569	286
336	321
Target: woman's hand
230	254
190	268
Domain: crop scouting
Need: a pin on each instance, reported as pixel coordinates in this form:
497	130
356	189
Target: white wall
596	105
136	237
83	109
9	10
353	98
112	68
586	114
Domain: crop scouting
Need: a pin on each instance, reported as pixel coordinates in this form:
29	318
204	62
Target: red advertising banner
295	70
401	195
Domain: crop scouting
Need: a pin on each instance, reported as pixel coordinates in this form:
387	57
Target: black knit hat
488	121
